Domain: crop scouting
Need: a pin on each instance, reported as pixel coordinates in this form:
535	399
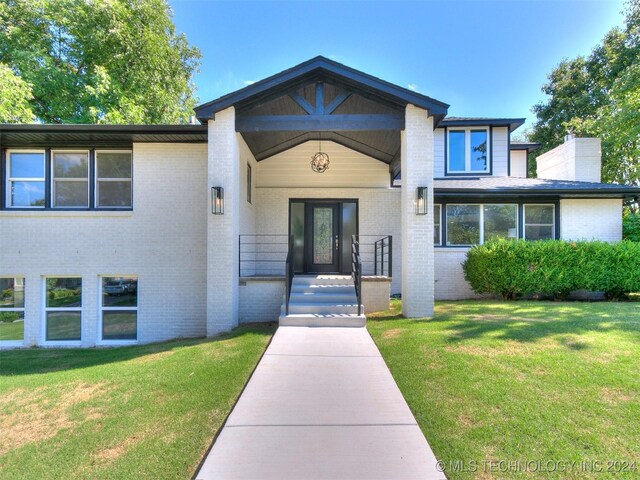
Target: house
113	235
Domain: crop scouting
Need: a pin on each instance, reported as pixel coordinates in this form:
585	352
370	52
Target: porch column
223	230
417	230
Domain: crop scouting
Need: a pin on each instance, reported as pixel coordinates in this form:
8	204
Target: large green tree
15	95
99	61
598	95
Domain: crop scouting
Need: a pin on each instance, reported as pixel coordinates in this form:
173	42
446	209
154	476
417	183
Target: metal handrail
380	246
356	270
289	272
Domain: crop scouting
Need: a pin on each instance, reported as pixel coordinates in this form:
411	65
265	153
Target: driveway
321	404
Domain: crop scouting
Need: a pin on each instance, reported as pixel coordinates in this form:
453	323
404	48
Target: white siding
438	152
162	241
593	219
348	168
500	151
519	163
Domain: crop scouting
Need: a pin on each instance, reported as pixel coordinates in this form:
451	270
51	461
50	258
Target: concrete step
319	308
324	297
323	288
310	320
322	280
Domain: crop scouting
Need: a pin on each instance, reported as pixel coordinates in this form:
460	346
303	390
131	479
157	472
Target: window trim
101	308
5	204
9	179
96	178
553	219
249	183
437	220
45	310
481	221
467	151
15	343
53	179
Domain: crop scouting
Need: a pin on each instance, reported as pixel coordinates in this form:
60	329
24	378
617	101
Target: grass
496	381
12	330
136	412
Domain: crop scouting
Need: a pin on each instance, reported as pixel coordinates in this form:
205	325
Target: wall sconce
217	200
421	201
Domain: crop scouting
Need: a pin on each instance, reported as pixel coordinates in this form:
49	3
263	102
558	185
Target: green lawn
134	412
12	330
521	381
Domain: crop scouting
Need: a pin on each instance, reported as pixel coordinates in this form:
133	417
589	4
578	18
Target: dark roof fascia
321	66
623	192
529	147
512	123
90	128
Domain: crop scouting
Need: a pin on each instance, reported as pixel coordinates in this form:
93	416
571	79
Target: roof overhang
512	123
321	69
42	135
526	146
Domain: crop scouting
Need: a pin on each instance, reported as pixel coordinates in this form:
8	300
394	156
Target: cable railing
263	255
376	254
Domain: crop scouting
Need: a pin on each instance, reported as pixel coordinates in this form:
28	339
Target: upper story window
26	179
468	151
76	179
70	178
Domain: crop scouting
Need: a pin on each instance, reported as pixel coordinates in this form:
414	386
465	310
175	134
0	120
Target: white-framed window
25	187
118	308
468	150
70	178
539	221
11	309
114	169
437	227
472	224
63	309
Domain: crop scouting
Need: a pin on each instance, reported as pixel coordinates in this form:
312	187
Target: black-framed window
437	225
26	179
249	181
471	224
67	178
539	221
468	150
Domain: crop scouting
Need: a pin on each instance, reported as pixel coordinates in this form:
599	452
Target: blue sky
484	58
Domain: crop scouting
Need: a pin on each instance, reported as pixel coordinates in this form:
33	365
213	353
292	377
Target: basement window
12	309
119	308
63	308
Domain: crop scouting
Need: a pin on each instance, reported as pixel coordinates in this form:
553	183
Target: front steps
322	301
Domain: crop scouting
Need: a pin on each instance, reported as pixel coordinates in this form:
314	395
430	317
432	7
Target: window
113	179
11	309
474	224
70	179
65	178
63	308
249	182
26	179
539	222
468	151
437	228
119	308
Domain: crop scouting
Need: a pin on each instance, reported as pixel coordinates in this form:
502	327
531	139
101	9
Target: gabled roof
513	186
321	68
512	123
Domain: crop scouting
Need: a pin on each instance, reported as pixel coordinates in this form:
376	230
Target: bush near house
514	268
631	226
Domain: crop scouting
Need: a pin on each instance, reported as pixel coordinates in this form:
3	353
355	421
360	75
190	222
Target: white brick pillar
417	230
223	230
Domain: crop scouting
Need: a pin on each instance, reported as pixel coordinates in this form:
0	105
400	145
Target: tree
117	61
598	96
15	94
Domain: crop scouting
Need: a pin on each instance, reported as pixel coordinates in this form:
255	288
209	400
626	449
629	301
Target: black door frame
308	266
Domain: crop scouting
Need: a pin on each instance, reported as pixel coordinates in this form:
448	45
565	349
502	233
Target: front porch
261	141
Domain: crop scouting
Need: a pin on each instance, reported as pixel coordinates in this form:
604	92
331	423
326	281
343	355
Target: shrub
513	268
631	226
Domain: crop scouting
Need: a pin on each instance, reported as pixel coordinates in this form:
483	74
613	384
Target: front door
322	237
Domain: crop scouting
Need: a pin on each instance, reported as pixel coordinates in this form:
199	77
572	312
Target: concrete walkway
321	405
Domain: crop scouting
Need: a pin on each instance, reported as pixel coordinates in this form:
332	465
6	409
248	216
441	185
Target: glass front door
323	240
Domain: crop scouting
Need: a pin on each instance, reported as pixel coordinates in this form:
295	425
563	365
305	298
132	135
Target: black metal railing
290	272
262	255
376	254
356	270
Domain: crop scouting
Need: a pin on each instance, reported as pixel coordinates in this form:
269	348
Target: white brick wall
375	295
260	301
449	277
163	241
417	230
223	230
577	159
592	219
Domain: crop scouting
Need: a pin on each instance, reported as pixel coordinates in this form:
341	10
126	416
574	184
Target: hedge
513	268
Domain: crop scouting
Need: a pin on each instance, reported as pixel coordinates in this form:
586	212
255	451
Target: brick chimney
576	159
